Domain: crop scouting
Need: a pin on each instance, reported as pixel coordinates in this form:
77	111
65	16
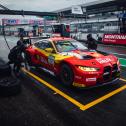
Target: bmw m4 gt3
73	63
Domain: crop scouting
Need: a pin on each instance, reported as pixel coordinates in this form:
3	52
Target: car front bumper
95	80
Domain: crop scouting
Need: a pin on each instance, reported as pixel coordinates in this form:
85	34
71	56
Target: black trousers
17	65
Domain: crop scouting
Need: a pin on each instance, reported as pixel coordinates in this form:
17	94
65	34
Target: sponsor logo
90	79
43	60
103	60
115	37
51	60
110	40
78	77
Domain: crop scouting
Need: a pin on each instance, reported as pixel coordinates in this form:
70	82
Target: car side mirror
49	50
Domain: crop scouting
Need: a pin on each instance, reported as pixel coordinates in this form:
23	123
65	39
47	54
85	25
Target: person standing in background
92	43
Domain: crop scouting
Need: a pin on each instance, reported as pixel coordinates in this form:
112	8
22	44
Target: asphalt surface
38	105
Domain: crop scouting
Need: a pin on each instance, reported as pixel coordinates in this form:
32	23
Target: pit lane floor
39	105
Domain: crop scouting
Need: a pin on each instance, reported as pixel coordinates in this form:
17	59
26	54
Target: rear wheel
66	75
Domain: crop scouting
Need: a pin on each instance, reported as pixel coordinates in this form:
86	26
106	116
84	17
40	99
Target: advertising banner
36	22
114	39
27	21
11	21
77	10
22	21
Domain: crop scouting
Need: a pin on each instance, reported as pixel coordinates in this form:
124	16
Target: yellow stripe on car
123	79
79	85
58	57
42	51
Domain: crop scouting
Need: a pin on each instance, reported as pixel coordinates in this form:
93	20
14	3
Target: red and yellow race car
73	63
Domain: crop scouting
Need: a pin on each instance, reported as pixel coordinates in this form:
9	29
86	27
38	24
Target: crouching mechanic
15	55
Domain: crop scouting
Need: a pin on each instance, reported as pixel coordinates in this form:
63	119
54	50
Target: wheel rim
66	75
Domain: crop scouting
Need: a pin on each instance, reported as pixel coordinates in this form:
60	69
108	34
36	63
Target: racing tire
5	70
9	86
66	75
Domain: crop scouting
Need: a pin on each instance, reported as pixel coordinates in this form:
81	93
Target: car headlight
88	69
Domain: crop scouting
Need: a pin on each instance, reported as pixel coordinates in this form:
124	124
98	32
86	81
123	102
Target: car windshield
64	46
79	45
69	45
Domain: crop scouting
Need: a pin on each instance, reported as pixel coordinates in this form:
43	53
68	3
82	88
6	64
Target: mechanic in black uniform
15	55
92	43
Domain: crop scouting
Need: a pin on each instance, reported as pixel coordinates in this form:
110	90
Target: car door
44	54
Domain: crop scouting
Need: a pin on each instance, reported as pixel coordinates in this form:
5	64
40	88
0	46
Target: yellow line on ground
89	105
75	102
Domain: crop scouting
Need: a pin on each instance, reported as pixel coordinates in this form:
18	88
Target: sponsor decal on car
79	85
90	79
43	60
51	60
78	77
103	60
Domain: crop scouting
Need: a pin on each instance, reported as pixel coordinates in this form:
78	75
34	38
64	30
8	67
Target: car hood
93	57
84	54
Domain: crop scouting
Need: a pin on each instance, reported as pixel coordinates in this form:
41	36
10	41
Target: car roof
59	38
54	39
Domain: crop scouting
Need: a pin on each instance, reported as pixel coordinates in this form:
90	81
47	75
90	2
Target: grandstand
102	16
100	6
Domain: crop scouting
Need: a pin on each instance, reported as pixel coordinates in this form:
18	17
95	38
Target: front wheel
66	75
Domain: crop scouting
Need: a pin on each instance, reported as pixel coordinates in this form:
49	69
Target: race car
73	63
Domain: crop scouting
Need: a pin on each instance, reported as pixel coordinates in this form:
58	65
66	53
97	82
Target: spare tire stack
5	70
9	85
